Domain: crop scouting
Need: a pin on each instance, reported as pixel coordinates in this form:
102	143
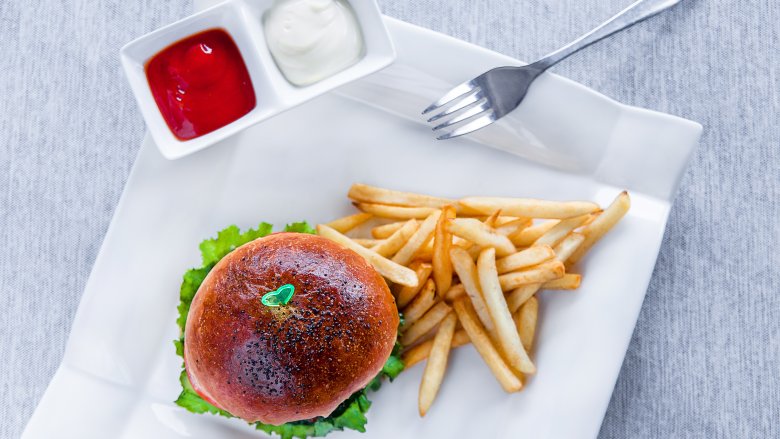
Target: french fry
520	294
395	272
460	242
503	220
528	207
481	341
602	224
367	242
568	246
557	233
394	242
491	220
396	212
385	230
421	327
525	322
480	234
419	352
349	222
525	258
526	236
376	195
467	273
513	227
592	217
442	242
416	353
436	364
541	273
569	281
426	251
474	251
425	338
422	302
405	294
517	297
460	338
507	335
418	239
454	292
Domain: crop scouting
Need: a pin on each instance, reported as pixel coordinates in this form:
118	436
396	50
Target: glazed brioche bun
293	362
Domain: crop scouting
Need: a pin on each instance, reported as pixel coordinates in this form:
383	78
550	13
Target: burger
285	331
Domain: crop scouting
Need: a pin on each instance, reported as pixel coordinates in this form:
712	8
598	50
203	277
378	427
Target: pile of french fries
470	270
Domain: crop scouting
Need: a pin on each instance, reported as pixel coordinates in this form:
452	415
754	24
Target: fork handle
638	11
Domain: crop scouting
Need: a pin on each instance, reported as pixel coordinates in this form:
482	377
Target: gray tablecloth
705	356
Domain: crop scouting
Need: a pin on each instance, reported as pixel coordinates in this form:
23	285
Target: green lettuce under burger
351	414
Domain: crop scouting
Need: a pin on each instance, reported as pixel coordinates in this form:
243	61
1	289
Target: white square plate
120	375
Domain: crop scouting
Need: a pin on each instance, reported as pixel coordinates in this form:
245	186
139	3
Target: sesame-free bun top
291	362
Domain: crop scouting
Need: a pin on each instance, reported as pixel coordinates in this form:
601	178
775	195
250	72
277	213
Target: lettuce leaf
229	239
301	227
351	414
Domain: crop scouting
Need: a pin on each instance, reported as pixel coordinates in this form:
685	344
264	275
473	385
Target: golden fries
396	212
521	294
425	323
569	281
388	247
420	351
387	268
481	341
491	220
426	251
421	303
454	292
513	227
525	323
541	273
367	242
405	294
506	332
560	230
602	224
528	207
480	234
436	364
385	230
442	242
467	273
417	240
503	220
526	236
376	195
347	223
568	246
428	255
525	258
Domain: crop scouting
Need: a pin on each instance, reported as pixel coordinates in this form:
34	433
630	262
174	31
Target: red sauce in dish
200	84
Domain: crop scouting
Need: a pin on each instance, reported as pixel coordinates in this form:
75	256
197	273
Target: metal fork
493	94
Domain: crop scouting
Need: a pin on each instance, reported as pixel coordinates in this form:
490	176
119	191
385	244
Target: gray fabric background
705	356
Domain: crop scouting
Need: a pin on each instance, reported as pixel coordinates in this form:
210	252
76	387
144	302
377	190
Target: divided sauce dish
244	21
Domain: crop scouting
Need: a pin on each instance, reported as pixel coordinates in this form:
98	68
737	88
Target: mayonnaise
311	40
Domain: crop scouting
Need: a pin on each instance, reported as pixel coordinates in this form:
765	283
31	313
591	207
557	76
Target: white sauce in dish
311	40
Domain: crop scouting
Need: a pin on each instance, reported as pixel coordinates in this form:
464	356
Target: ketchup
200	84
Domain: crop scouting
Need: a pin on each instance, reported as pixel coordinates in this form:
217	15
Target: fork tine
473	111
456	92
481	122
466	102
